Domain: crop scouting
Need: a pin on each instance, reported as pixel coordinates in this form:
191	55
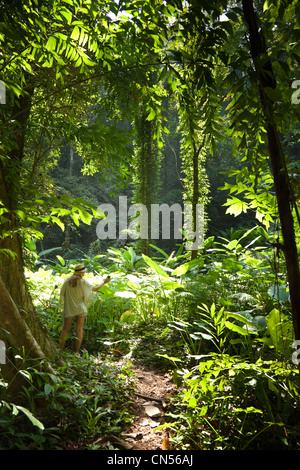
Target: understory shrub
84	401
230	403
221	324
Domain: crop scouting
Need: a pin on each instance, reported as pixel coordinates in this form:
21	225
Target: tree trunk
11	268
17	313
147	166
17	336
195	195
71	161
266	78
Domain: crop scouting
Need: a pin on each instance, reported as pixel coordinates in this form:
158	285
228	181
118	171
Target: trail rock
152	411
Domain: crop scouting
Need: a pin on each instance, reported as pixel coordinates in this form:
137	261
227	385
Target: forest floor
150	399
153	387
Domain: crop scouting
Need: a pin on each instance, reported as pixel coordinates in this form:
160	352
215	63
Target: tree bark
195	195
11	268
17	313
147	162
266	78
16	336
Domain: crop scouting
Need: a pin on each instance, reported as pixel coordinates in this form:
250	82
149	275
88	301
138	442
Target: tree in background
199	102
258	79
269	92
49	52
147	158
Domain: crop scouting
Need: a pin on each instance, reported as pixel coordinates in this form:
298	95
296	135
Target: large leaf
242	331
50	250
125	294
184	268
30	416
106	292
170	285
236	206
279	293
155	267
280	329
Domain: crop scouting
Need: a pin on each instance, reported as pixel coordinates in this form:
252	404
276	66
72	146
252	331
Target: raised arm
106	280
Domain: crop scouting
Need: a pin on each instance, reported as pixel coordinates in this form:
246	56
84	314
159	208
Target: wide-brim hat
79	268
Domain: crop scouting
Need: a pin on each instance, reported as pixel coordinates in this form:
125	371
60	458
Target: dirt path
150	404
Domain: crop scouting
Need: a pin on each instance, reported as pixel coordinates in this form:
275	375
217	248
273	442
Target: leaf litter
149	406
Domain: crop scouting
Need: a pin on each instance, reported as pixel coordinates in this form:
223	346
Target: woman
74	297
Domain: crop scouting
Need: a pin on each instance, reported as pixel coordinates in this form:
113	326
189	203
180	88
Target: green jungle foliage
220	324
161	103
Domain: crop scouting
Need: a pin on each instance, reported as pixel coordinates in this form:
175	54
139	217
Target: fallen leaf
165	443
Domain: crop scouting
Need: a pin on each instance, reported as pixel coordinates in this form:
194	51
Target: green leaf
184	268
280	329
236	206
7	252
237	329
66	14
50	250
156	267
75	33
279	293
125	294
249	409
51	43
171	358
48	389
152	115
106	292
85	216
164	73
169	285
30	416
160	250
60	259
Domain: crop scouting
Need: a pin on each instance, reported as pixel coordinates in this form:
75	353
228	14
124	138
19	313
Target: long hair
76	276
74	279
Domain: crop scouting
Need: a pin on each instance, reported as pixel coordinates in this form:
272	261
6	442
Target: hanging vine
147	160
196	189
